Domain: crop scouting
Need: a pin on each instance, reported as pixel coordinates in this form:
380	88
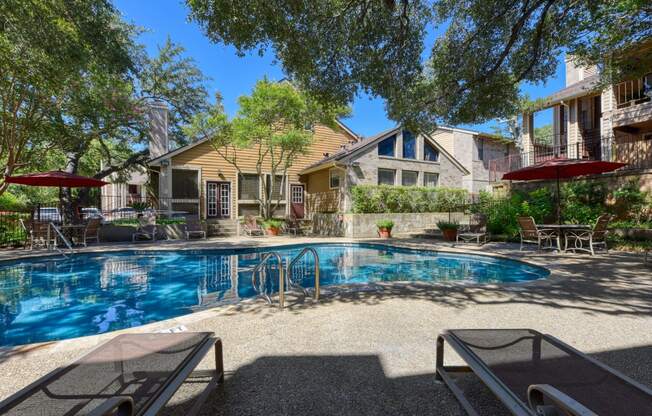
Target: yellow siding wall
215	168
318	181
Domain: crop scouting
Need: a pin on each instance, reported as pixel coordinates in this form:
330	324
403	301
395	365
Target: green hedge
380	199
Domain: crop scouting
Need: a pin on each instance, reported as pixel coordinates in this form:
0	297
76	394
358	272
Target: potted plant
449	229
139	207
273	226
385	228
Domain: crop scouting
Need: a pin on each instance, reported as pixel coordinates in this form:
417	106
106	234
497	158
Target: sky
234	76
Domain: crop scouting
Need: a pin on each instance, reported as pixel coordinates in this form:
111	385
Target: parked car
91	213
49	214
123	213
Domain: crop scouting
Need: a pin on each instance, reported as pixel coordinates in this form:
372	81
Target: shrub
11	202
448	225
386	224
139	206
380	199
273	223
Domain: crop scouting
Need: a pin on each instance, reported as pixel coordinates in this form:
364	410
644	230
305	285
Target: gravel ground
371	352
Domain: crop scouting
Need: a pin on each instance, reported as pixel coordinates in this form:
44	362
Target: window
480	147
279	187
185	184
409	178
429	152
409	145
248	186
430	179
334	178
387	147
386	177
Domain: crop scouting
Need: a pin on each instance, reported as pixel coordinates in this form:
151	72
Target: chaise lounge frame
536	392
123	405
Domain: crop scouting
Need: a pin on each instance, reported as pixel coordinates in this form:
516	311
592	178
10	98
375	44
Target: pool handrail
299	256
281	278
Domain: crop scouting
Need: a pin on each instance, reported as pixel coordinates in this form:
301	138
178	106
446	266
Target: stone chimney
159	143
576	73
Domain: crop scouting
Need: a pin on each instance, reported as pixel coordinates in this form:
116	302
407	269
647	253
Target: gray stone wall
364	225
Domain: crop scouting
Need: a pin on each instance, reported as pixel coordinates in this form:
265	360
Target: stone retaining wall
364	225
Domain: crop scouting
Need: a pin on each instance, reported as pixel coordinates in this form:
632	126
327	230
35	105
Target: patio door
218	199
297	207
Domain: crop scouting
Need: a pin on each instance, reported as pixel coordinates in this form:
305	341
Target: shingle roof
578	89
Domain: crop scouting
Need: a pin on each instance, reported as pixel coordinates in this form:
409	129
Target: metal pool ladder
63	238
282	274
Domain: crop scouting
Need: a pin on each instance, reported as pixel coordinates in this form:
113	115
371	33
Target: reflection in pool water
54	298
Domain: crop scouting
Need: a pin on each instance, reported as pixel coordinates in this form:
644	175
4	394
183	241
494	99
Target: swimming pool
48	298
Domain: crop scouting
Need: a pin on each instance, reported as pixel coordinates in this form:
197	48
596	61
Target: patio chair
146	228
92	231
132	374
477	230
531	234
194	227
535	374
251	227
37	234
292	226
592	238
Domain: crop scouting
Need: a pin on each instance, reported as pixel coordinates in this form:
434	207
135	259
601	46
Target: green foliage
140	206
448	225
273	223
385	224
11	202
583	201
543	134
336	49
631	202
376	199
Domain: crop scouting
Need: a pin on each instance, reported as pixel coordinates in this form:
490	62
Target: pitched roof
363	144
182	149
578	89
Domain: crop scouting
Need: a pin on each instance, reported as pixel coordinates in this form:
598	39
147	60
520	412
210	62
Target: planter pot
273	231
385	232
449	234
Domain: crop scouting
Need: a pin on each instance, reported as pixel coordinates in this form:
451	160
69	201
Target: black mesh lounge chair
536	374
133	374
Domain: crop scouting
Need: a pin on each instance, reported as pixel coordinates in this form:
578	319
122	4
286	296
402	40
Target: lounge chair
531	234
146	228
194	227
536	374
589	239
132	374
477	230
251	226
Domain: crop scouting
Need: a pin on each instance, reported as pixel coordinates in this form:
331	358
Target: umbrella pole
558	200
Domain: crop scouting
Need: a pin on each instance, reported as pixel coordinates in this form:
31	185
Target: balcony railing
624	148
633	92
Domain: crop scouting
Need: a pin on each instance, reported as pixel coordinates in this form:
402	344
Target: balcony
624	148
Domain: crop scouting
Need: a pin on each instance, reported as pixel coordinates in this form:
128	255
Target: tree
335	49
44	45
275	123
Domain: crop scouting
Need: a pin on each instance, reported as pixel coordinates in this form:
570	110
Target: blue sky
234	76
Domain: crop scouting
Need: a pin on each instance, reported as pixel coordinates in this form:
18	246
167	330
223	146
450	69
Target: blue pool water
55	298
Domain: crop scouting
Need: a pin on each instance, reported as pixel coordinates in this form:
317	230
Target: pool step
222	228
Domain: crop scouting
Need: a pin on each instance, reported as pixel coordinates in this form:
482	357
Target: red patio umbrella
56	178
560	168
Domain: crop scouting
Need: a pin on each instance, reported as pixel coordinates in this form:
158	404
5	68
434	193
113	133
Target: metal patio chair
540	236
194	227
588	240
146	228
535	374
251	227
477	230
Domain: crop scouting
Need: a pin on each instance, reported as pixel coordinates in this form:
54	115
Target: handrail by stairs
62	237
299	256
281	277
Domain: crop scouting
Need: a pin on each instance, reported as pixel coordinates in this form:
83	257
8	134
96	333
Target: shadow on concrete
358	385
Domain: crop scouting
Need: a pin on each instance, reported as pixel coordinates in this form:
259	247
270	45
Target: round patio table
562	229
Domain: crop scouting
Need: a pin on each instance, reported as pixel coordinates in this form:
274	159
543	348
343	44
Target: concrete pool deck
373	351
